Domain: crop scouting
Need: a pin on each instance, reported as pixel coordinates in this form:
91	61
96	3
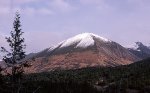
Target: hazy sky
47	22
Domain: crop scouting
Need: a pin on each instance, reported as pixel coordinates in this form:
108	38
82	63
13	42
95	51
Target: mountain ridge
140	50
80	51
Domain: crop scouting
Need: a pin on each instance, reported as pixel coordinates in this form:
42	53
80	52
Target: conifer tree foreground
13	58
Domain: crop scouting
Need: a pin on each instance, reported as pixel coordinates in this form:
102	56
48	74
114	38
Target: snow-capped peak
135	47
138	46
82	40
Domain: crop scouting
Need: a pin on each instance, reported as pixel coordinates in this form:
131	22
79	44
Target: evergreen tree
13	58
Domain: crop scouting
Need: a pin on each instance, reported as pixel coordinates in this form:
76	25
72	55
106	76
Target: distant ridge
140	50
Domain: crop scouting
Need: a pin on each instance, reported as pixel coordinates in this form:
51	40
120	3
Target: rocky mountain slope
140	50
83	50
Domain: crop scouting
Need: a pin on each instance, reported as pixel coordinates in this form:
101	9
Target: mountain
140	50
80	51
29	56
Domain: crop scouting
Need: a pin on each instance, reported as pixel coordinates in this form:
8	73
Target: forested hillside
134	78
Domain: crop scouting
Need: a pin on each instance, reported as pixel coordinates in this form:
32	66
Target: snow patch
86	42
55	46
133	46
83	40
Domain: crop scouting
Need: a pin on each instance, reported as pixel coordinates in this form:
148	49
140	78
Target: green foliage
118	79
15	42
14	57
58	87
121	79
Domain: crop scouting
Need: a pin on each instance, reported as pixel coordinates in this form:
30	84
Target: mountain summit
83	40
140	50
83	50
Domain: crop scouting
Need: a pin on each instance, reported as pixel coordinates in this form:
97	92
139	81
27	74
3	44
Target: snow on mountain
135	47
140	50
80	51
138	46
83	40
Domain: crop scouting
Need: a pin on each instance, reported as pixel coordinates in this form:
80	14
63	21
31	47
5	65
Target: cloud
61	5
46	7
11	6
118	20
90	2
122	6
4	2
4	10
29	11
24	1
99	5
45	11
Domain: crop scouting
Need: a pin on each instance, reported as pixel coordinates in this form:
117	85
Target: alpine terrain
140	50
80	51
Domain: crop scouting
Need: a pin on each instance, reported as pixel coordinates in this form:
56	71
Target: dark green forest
134	78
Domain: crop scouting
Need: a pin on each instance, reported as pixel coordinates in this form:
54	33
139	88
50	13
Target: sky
48	22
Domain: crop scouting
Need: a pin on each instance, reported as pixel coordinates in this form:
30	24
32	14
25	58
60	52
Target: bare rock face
83	50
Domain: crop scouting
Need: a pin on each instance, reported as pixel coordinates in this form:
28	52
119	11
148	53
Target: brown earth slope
100	53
